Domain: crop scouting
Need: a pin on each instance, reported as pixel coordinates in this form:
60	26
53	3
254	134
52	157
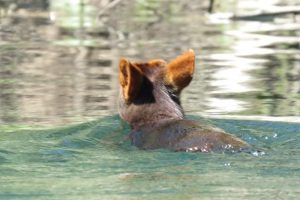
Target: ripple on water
97	157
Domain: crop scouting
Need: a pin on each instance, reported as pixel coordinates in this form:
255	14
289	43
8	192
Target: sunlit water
58	65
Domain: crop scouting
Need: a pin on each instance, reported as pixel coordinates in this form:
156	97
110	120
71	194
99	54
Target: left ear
179	72
131	79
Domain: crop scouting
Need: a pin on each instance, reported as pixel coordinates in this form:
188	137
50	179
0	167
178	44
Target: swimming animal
150	102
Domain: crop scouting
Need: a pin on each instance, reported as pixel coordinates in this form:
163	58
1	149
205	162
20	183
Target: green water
95	161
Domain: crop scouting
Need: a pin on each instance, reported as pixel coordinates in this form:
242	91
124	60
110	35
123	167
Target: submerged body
149	102
186	135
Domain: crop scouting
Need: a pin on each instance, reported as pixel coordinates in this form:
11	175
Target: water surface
95	160
59	60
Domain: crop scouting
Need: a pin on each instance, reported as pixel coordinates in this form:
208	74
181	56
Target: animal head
150	90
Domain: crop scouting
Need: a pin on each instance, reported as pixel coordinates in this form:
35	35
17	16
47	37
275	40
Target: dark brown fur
149	102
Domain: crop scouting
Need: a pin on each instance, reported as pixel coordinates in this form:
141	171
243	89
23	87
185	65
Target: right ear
131	79
179	72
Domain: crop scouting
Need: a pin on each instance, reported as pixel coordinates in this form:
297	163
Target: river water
61	138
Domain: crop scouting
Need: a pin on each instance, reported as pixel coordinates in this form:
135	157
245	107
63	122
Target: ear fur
179	72
131	79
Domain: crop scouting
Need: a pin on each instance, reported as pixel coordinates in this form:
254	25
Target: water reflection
53	73
59	58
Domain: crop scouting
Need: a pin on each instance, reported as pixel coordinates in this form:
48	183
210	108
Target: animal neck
152	107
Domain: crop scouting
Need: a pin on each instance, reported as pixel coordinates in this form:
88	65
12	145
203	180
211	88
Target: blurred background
59	59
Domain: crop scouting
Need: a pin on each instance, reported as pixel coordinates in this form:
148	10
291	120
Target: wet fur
153	109
152	105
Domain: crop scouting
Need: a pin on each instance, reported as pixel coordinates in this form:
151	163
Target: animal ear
179	72
130	78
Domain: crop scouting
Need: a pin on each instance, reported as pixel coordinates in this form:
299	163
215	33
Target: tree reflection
59	58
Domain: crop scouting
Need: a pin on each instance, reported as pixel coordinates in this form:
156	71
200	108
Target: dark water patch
100	63
293	33
2	159
290	46
22	196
